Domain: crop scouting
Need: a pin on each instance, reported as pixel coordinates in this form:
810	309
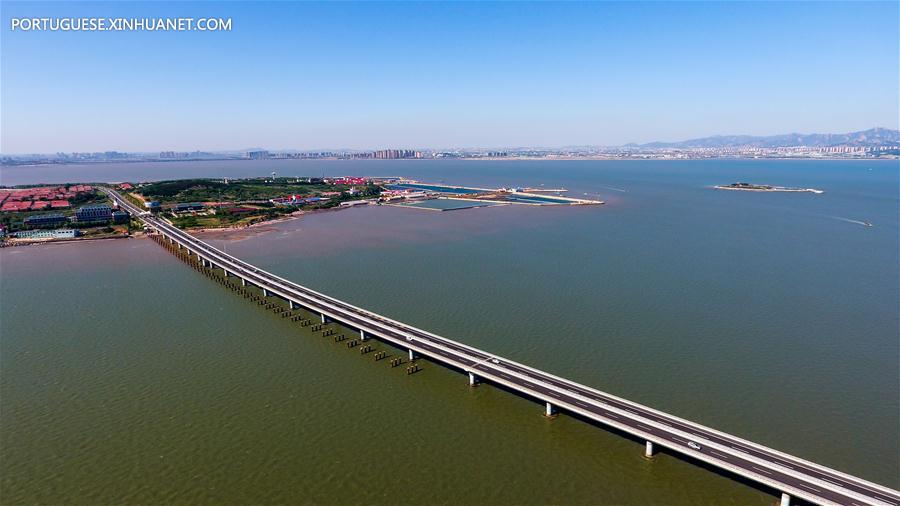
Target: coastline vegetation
243	202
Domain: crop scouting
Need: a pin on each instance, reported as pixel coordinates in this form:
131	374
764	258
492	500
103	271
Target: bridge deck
783	472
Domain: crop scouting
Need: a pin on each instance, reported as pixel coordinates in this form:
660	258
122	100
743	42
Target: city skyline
874	139
362	76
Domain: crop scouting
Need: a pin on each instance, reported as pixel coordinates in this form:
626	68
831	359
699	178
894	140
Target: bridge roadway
792	476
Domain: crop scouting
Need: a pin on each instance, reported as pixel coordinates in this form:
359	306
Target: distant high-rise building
393	154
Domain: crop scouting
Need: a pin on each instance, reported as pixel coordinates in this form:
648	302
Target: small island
764	188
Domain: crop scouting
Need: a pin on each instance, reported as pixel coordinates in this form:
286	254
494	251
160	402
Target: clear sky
418	75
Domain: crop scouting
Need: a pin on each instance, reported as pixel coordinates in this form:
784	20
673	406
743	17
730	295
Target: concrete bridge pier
473	380
243	282
362	335
785	499
227	274
549	410
412	355
267	293
293	304
649	450
324	318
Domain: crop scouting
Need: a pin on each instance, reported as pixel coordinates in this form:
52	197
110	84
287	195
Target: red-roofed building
59	204
15	206
125	186
349	180
39	204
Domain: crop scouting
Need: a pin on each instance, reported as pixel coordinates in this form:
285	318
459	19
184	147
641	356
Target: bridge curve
792	476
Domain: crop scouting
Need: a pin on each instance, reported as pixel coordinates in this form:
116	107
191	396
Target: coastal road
778	470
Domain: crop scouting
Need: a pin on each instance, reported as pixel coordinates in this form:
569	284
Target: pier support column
549	410
648	449
243	282
267	293
362	335
412	355
293	304
473	380
785	499
227	274
324	318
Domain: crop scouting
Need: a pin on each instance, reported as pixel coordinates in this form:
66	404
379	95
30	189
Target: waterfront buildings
92	213
62	233
120	217
45	220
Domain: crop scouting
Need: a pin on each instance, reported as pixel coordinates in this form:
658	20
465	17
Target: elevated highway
785	473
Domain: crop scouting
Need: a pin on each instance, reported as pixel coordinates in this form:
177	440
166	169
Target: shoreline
249	229
38	242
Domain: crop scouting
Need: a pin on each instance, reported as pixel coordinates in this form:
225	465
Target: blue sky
373	75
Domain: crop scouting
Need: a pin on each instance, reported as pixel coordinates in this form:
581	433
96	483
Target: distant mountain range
871	137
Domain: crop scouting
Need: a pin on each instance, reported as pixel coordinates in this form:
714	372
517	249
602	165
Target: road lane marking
718	454
648	429
505	376
740	450
610	415
554	394
833	483
581	404
761	470
810	488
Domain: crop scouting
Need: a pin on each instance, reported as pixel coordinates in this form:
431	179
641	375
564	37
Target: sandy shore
257	228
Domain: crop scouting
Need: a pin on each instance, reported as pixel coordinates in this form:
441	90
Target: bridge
793	477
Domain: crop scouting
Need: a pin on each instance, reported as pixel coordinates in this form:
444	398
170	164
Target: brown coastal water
127	377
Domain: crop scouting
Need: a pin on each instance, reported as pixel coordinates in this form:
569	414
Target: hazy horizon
434	148
360	76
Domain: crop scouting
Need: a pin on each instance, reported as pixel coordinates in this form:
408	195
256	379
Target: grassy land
248	193
206	190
